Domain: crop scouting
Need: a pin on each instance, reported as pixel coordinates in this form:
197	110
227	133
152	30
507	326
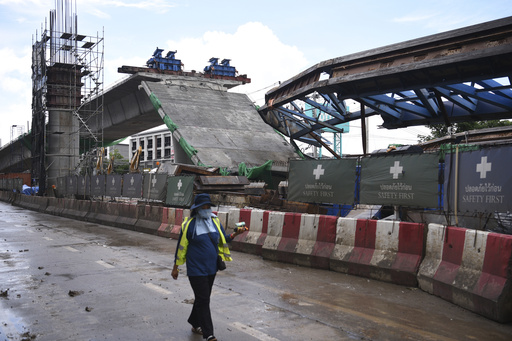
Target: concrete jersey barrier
384	250
466	267
469	268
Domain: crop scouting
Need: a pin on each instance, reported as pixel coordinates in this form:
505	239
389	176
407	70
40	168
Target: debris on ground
73	293
27	336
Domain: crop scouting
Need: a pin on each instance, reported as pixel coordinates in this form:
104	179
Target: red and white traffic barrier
175	221
379	249
470	268
282	237
252	240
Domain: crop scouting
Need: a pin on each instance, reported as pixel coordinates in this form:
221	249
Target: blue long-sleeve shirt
201	258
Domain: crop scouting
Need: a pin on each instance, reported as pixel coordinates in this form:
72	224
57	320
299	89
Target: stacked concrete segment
469	268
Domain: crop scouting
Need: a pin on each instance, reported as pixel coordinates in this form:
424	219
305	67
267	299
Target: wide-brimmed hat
200	200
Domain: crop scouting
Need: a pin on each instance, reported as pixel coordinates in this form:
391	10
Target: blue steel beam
446	78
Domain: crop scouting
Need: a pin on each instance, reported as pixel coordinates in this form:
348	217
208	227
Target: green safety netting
170	124
113	143
451	148
167	120
191	151
262	173
156	102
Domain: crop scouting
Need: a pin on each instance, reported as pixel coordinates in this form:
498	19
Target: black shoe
197	330
211	338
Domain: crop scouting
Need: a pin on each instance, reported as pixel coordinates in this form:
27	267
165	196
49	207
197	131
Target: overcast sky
270	41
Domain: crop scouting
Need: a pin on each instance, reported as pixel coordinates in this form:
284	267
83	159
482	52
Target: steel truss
456	76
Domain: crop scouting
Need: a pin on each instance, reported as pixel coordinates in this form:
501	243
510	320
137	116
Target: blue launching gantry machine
222	69
172	66
169	62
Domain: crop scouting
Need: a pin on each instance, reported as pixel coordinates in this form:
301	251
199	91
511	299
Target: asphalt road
62	279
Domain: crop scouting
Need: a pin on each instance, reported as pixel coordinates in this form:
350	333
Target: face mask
204	213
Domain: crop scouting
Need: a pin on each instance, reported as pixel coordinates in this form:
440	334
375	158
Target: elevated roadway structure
455	76
210	126
450	77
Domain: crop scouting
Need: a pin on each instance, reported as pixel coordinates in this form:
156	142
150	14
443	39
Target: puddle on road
12	327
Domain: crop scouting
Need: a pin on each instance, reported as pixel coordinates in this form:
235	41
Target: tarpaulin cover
61	185
154	186
132	185
71	185
30	190
262	173
98	185
408	180
113	186
484	180
322	181
83	185
180	190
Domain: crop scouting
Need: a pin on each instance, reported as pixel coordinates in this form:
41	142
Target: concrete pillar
62	134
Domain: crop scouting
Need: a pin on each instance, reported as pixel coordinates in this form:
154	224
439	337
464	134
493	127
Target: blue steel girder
310	123
445	78
289	121
462	102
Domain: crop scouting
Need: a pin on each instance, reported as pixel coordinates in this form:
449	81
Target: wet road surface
62	279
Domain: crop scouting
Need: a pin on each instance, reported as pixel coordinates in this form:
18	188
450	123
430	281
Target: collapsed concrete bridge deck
218	128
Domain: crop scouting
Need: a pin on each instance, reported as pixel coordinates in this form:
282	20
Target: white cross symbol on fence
483	167
396	169
153	182
132	181
179	185
318	172
97	181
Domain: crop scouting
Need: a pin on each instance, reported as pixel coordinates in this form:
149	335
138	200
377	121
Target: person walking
202	239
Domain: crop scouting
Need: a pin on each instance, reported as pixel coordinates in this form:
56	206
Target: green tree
121	165
441	130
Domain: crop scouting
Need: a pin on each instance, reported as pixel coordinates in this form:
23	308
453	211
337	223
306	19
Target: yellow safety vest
223	248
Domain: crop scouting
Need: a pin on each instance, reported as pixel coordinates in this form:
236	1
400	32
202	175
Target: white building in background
123	149
156	147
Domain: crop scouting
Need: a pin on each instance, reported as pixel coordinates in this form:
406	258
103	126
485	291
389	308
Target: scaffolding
67	96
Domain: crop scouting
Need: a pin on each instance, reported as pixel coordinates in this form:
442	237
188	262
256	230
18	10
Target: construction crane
99	163
134	162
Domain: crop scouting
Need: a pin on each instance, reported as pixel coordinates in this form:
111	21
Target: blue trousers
201	315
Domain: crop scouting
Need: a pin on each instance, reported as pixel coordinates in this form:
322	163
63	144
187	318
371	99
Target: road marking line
253	332
157	288
47	238
69	248
102	263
